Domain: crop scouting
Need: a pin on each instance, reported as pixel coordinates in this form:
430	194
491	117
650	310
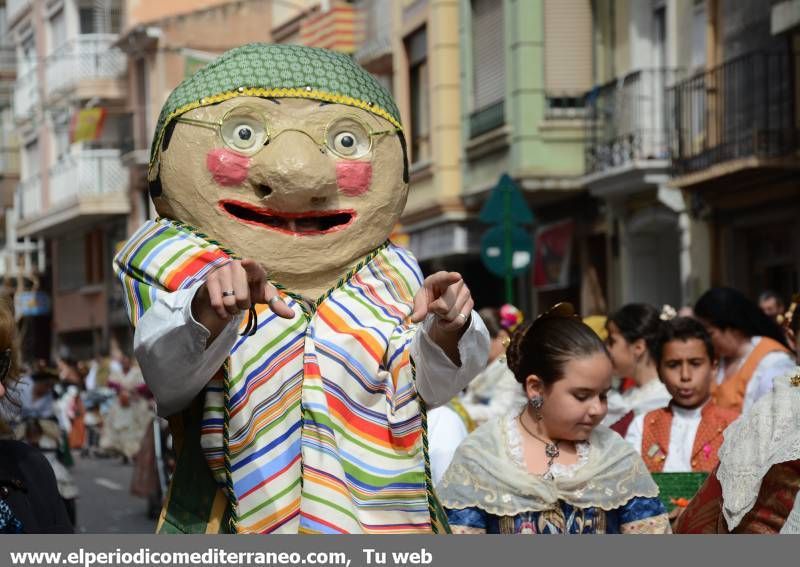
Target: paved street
105	504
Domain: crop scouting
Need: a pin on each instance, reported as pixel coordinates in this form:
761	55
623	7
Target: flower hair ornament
510	317
668	313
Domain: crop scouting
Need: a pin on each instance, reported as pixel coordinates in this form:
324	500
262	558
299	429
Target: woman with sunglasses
29	499
553	468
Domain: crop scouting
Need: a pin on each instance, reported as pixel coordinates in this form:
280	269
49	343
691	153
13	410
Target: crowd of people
568	429
614	429
100	408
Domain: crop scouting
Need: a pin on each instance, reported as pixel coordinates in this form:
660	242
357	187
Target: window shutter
488	39
568	47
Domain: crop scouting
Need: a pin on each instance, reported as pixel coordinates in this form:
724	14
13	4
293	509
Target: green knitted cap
275	71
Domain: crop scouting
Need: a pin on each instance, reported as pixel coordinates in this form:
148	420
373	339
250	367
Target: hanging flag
87	125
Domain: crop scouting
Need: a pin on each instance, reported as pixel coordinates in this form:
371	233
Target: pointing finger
420	306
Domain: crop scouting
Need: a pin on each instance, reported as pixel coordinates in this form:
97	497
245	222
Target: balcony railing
26	94
89	56
87	174
627	120
743	108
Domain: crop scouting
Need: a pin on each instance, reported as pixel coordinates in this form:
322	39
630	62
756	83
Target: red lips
308	223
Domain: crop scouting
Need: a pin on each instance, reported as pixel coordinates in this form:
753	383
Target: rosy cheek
227	168
353	177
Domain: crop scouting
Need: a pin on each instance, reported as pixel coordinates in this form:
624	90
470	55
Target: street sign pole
506	247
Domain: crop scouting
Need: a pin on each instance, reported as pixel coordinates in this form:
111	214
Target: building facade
735	142
72	192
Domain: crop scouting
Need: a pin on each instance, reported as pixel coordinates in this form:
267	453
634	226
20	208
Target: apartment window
27	61
61	138
699	22
31	157
142	103
100	17
567	54
85	265
93	243
488	67
86	15
58	30
72	273
417	49
60	129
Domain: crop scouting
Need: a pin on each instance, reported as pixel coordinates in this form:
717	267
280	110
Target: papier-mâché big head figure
294	349
305	177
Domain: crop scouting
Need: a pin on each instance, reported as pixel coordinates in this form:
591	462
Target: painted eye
345	143
244	133
348	138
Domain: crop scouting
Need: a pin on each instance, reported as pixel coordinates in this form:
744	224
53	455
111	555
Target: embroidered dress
487	488
314	424
756	487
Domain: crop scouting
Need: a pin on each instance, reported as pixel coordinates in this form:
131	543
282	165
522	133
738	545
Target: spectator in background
633	334
29	499
751	346
771	304
129	415
686	435
494	392
36	395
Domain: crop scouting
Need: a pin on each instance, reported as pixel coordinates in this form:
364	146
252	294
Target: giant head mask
289	155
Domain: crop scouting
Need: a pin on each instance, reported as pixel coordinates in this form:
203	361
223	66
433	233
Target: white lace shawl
768	435
485	474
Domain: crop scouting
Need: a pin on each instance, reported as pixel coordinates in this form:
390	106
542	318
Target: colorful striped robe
314	424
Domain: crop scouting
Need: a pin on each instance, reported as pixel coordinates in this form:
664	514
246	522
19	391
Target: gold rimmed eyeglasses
246	130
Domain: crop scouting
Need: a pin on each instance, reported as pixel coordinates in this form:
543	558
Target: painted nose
295	169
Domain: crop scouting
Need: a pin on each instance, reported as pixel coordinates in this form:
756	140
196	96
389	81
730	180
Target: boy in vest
686	435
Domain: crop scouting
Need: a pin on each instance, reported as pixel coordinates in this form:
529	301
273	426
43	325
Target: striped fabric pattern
325	428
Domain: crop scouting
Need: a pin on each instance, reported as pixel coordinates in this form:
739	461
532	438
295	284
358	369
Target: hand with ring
232	288
445	295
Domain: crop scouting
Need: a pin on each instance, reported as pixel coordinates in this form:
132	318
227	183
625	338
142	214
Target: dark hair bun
545	346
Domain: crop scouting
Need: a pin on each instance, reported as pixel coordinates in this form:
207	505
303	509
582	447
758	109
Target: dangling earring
536	403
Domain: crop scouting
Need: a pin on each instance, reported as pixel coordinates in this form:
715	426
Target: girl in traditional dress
752	348
633	334
553	468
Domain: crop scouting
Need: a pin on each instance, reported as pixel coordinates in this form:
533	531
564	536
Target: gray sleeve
172	350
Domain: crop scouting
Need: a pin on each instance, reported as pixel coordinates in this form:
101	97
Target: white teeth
292	225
